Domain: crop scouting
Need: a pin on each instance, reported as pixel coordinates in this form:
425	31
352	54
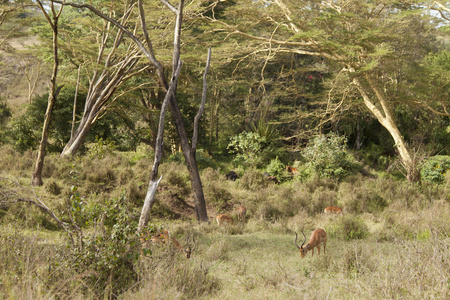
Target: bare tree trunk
386	119
153	185
74	113
36	178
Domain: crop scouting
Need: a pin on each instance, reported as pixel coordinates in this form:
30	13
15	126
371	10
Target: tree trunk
197	188
386	119
153	185
78	138
36	177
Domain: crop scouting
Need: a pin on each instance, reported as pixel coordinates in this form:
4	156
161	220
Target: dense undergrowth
391	242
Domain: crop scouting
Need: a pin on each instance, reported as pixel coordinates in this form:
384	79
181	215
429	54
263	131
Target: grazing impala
318	237
241	212
332	210
163	237
291	170
222	219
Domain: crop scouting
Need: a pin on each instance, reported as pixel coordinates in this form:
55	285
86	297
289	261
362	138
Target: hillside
13	84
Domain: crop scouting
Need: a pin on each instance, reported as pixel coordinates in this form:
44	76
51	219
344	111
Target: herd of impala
317	239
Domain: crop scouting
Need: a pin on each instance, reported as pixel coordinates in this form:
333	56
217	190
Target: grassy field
391	243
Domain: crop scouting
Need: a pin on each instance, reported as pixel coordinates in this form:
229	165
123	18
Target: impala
163	237
241	212
318	237
291	170
332	210
222	219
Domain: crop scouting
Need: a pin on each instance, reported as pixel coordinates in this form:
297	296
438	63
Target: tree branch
202	105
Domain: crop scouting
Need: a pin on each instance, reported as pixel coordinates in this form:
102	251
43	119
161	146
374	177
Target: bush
436	169
276	168
247	147
253	180
327	157
204	159
359	197
350	228
109	254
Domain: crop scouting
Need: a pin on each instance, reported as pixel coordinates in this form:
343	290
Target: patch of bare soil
176	203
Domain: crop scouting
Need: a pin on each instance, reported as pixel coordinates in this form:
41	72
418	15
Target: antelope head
188	249
303	250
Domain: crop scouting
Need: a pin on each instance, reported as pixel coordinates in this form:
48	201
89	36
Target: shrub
109	253
358	261
350	228
253	180
218	195
276	168
436	169
204	159
23	136
53	188
327	157
247	147
101	147
358	197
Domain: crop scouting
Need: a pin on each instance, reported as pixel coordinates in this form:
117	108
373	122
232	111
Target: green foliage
26	130
176	157
266	131
101	147
110	253
247	146
327	157
276	168
23	135
374	154
204	159
436	169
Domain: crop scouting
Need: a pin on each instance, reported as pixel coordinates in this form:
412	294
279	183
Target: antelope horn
304	239
187	239
299	247
195	243
295	242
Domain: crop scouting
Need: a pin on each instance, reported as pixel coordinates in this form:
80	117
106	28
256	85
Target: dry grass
404	252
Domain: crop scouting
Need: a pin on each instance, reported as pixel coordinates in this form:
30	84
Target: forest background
353	94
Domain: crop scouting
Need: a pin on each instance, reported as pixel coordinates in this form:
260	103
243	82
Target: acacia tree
146	48
116	62
367	43
36	178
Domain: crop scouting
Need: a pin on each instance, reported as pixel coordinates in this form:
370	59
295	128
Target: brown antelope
291	170
163	237
332	210
318	237
241	212
222	219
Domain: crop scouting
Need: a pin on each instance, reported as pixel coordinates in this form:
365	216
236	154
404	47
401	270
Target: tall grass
392	242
